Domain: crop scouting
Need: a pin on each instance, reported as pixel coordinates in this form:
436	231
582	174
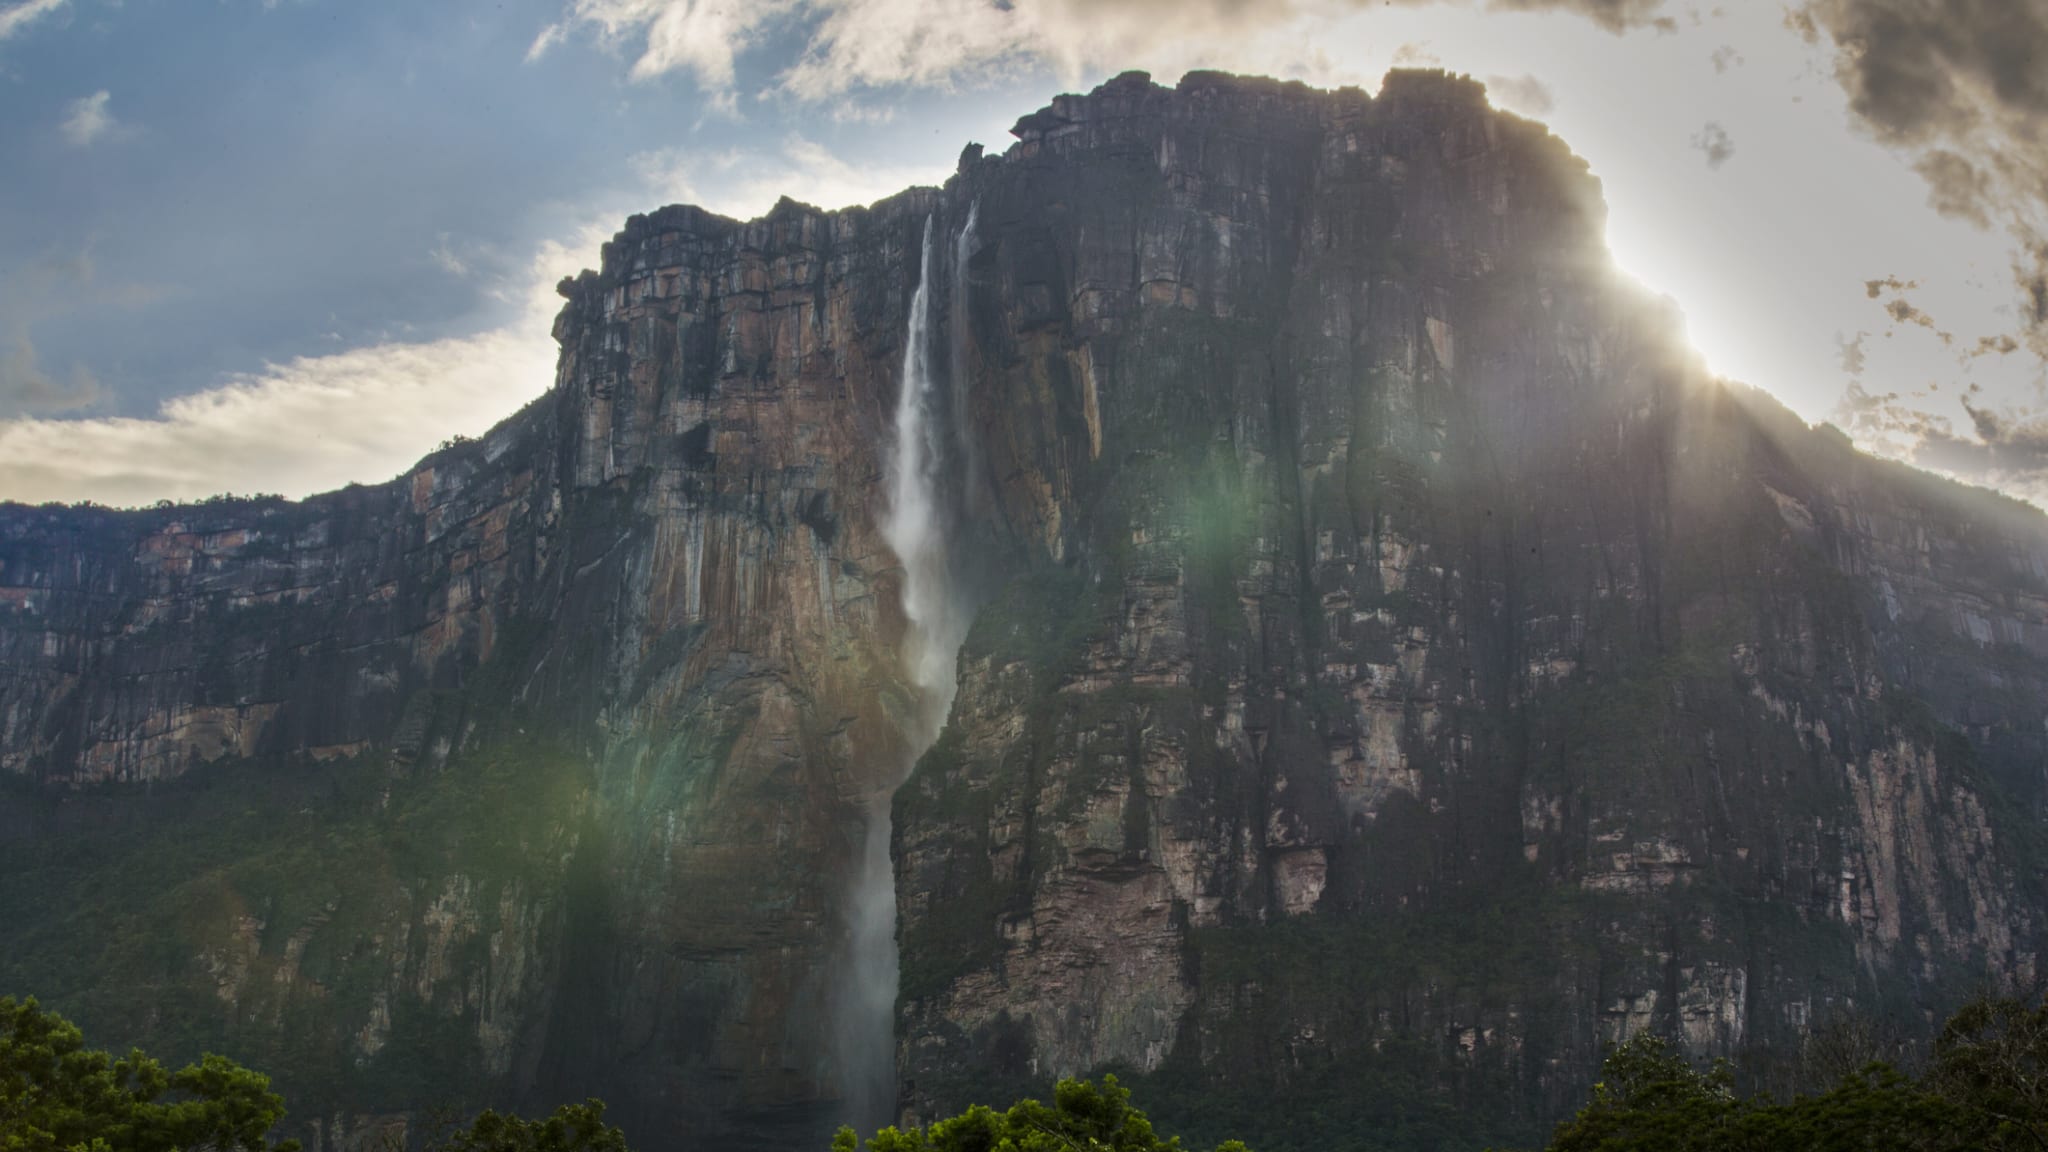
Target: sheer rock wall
1403	673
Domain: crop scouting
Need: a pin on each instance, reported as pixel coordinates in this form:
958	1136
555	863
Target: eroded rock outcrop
1403	672
1432	675
657	600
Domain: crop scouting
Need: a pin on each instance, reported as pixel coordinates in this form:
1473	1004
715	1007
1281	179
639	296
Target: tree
1991	1060
57	1094
1875	1109
1843	1043
1649	1097
1081	1118
572	1128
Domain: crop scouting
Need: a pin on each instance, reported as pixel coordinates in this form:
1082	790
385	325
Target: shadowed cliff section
1406	673
1434	677
658	600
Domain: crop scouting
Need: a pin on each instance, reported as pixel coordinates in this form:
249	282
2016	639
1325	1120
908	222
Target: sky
285	245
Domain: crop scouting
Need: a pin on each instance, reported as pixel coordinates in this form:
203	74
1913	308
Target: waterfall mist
966	444
918	523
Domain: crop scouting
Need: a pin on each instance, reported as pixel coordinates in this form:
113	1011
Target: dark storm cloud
1963	85
1956	187
1924	71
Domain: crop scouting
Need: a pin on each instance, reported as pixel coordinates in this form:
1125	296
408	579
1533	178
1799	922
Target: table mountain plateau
1393	670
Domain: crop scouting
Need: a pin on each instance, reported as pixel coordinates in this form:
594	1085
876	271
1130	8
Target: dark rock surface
1444	679
1405	672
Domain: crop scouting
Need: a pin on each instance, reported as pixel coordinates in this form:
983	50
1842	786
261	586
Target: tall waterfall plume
916	522
966	445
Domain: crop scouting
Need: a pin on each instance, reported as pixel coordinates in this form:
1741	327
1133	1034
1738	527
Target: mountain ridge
1330	499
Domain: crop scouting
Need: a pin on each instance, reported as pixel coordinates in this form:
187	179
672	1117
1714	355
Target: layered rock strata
1425	670
1404	672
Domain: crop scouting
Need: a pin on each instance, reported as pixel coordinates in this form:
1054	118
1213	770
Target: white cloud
444	254
1768	264
1767	259
856	44
318	422
309	425
19	16
852	45
936	43
1525	94
548	38
88	120
703	37
747	184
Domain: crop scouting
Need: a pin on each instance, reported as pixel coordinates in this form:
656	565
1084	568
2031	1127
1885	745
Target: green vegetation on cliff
571	1128
1985	1089
1081	1116
285	917
57	1095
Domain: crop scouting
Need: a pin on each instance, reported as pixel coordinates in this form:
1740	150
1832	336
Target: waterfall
915	523
964	441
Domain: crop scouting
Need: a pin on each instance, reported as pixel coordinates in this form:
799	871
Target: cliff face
1446	680
1402	673
584	718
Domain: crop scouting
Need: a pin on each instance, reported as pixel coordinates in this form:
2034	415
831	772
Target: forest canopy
1983	1085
